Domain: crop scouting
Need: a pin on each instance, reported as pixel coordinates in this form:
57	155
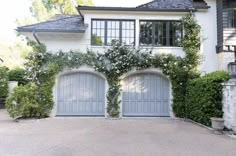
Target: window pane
232	18
113	31
98	32
146	33
128	32
94	24
175	33
160	33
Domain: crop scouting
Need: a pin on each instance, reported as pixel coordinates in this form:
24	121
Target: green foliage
39	102
85	2
39	11
25	102
204	97
115	62
65	6
3	82
19	75
191	42
181	70
96	40
186	68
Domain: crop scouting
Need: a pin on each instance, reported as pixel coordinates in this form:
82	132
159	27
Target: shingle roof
75	23
174	4
59	23
157	5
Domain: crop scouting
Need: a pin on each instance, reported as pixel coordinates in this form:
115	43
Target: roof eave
49	30
86	8
206	7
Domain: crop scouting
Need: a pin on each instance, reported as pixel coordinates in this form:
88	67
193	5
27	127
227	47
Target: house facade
155	25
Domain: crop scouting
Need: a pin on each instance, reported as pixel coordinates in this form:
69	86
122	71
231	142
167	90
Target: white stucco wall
224	59
208	22
82	42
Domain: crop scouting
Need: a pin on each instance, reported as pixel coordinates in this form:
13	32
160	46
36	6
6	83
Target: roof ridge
48	21
156	3
145	4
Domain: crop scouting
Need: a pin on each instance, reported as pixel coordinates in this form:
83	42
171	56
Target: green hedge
3	82
19	75
204	97
26	102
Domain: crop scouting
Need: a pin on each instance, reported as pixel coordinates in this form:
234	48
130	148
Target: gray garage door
81	94
145	95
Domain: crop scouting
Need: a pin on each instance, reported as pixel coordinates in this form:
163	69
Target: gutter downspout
80	13
35	36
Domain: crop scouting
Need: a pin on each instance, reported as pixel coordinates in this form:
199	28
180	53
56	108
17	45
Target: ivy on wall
116	61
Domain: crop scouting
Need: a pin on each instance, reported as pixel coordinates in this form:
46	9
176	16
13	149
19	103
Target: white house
155	25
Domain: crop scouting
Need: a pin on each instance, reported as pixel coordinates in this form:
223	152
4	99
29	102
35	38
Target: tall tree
85	2
66	6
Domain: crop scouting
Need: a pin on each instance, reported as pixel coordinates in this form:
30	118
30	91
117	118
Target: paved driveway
101	137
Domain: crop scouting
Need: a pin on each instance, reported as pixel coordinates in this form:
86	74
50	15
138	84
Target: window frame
167	36
106	30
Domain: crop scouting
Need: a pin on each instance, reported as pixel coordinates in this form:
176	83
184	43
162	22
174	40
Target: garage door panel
145	95
81	94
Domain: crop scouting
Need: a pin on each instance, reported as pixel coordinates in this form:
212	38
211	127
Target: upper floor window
105	31
232	18
160	33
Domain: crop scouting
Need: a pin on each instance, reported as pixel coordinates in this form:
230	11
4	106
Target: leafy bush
204	97
25	102
3	82
19	75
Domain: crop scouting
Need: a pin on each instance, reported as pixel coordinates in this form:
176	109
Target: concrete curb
206	127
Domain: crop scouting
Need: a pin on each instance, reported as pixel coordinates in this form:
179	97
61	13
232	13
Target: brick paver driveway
101	137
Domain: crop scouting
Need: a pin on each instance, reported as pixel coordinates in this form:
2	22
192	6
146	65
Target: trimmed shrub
204	97
25	102
3	82
19	75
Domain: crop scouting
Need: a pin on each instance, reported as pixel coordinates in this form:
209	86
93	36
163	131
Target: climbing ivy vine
118	60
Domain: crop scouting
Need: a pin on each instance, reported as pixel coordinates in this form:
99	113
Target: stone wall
229	101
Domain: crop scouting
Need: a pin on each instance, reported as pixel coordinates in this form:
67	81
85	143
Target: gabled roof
59	23
175	4
157	5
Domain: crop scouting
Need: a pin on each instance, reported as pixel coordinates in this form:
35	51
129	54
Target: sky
12	9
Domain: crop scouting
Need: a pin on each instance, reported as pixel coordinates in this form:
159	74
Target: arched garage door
145	94
82	94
